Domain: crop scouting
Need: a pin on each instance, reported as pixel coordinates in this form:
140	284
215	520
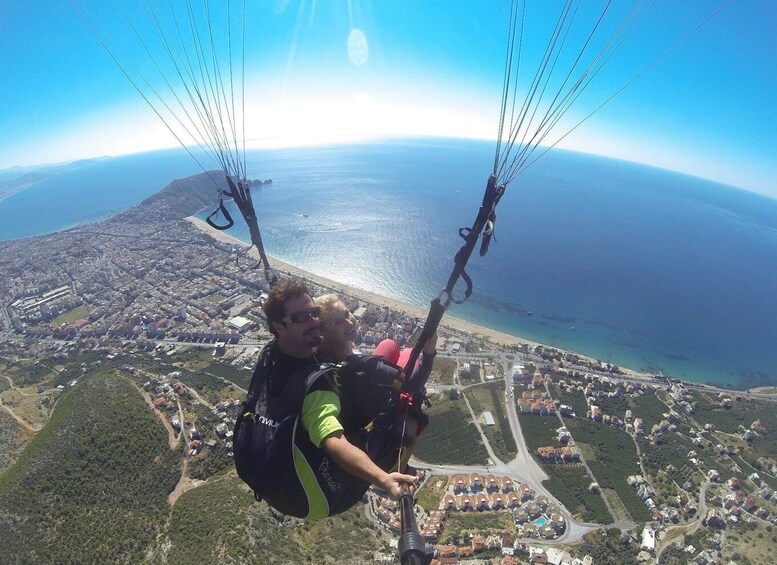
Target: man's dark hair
275	305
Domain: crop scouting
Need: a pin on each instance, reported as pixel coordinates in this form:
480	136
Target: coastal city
537	452
537	243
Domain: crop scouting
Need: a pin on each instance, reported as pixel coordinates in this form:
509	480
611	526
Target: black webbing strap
240	192
486	216
483	222
224	212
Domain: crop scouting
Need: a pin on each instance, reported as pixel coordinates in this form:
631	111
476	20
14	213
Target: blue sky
414	68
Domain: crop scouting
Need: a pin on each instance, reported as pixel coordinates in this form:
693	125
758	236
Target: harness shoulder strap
325	372
263	367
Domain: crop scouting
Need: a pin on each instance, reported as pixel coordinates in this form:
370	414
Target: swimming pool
540	521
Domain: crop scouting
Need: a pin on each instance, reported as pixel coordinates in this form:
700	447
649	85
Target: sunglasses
301	317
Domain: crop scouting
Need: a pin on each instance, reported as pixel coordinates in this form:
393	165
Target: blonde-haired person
338	331
340	327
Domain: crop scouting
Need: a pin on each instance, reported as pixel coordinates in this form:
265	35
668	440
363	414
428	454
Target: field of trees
743	412
491	397
210	461
573	398
674	451
539	431
11	439
210	387
240	377
459	525
80	363
92	487
606	548
615	458
220	522
443	371
569	483
451	436
648	407
26	373
429	495
726	420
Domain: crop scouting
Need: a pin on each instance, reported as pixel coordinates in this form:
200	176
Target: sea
645	268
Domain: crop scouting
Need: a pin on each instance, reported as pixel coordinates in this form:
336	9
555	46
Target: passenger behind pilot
339	330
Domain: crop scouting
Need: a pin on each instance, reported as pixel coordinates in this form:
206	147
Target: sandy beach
451	323
448	321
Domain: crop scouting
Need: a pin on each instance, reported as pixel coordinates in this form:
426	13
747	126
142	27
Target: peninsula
534	454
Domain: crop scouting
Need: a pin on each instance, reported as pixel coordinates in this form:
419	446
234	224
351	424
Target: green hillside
92	486
219	522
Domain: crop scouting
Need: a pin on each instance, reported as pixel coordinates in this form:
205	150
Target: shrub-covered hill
92	485
219	522
11	439
179	199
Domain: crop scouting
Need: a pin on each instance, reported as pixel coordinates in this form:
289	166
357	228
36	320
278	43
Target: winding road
522	468
677	532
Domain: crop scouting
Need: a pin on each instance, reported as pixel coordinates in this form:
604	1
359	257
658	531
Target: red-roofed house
492	484
568	454
449	502
513	500
460	484
478	543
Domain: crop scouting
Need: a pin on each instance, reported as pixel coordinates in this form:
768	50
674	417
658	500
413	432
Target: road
6	320
522	468
677	532
620	524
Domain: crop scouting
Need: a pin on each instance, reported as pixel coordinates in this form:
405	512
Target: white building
648	539
239	323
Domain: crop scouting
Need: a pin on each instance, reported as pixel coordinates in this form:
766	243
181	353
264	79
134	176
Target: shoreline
451	323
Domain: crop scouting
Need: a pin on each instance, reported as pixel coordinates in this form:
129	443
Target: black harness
274	454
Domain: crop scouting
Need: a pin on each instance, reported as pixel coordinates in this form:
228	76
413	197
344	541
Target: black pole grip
412	547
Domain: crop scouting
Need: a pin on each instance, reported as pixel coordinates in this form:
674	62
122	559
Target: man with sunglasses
285	368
